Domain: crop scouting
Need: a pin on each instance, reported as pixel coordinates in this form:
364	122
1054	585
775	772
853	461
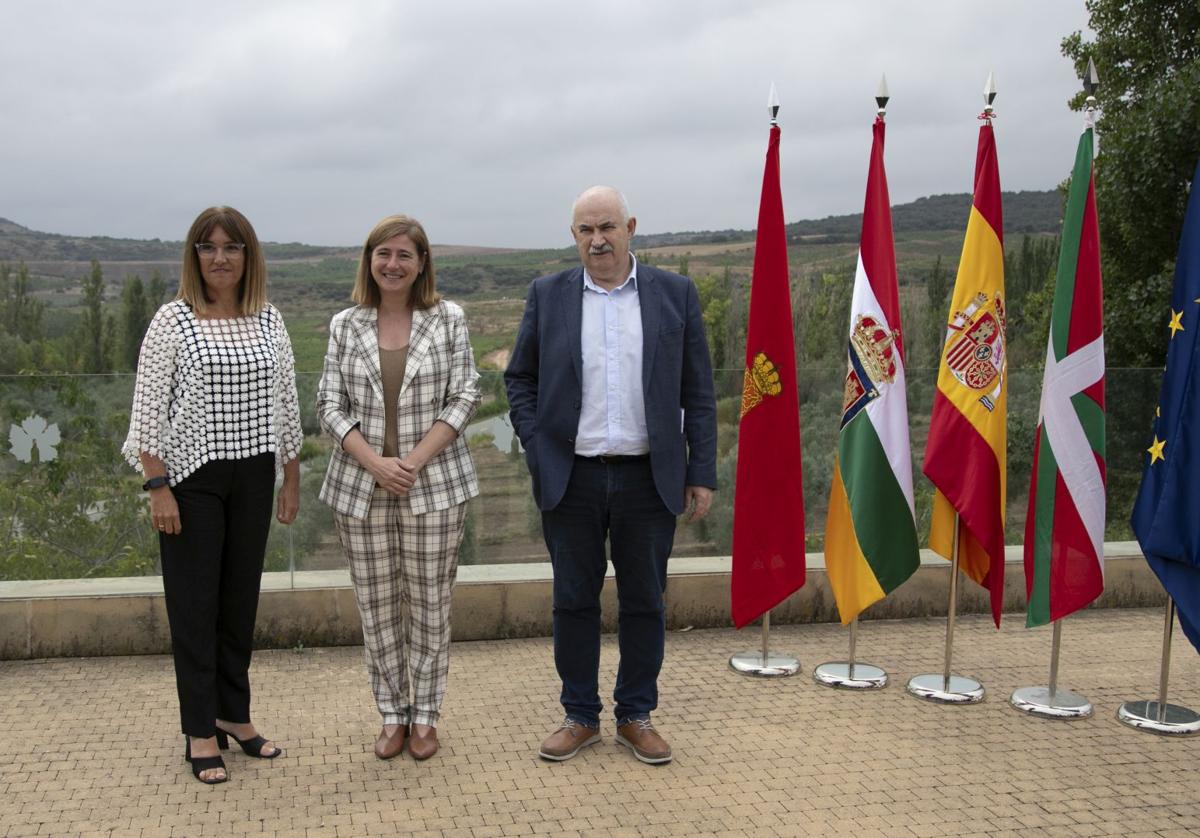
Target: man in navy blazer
611	394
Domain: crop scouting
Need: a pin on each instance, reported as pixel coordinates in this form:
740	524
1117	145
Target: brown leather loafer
386	746
570	738
641	738
423	744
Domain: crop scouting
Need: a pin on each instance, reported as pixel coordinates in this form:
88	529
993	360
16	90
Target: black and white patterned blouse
213	390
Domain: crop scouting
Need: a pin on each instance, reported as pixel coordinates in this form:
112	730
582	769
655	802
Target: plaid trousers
397	558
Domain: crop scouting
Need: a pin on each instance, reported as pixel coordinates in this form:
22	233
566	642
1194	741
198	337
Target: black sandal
202	764
250	747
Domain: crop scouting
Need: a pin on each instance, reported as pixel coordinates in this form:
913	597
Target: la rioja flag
871	531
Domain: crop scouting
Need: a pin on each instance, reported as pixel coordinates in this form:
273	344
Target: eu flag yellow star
1156	450
1176	324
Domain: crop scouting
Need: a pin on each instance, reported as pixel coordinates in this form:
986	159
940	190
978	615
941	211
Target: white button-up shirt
612	418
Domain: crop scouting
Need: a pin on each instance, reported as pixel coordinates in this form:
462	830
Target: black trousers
211	576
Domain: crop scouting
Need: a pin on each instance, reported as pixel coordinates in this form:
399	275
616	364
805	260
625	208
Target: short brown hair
424	291
252	291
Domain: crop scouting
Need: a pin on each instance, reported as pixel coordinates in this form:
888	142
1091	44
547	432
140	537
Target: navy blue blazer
545	384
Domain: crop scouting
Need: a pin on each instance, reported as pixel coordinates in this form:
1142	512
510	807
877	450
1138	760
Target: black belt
615	458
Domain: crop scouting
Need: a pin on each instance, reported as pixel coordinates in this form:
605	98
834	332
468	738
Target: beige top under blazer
440	382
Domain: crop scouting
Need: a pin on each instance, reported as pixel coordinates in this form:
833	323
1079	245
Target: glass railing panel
71	507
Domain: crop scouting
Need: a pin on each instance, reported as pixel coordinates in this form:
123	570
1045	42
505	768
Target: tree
937	289
23	343
94	349
824	320
78	514
155	292
20	313
135	317
1147	54
714	306
1029	283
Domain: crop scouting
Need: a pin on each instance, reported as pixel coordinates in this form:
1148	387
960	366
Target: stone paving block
753	757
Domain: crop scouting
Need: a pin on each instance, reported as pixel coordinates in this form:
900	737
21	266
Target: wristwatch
155	482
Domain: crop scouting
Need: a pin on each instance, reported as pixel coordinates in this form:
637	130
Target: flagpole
947	688
1159	716
764	664
1050	702
850	674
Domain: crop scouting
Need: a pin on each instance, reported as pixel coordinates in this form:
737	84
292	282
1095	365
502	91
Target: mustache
597	251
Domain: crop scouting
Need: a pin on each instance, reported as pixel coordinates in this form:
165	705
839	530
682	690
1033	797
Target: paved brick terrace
87	745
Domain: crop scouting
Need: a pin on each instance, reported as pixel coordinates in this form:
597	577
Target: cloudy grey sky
484	119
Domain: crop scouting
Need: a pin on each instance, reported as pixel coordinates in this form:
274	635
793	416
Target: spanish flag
870	531
768	499
965	457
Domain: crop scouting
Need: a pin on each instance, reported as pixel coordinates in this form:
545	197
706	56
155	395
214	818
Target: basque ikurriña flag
768	501
966	454
870	532
1064	530
1166	517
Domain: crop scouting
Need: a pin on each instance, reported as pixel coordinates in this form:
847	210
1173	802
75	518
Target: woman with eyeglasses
398	388
215	415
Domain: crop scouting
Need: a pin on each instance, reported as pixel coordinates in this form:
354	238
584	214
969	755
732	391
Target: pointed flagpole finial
773	105
989	96
882	96
1091	83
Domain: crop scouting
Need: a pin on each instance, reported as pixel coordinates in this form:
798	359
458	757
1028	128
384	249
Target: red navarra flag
1064	531
768	500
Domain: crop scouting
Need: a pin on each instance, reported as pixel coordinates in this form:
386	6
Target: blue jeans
617	502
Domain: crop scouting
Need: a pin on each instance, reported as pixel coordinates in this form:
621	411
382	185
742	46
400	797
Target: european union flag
1166	514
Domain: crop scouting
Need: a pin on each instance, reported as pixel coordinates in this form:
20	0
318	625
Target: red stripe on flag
878	248
1075	575
968	474
987	183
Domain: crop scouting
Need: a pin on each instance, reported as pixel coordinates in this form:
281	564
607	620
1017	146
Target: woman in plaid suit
398	388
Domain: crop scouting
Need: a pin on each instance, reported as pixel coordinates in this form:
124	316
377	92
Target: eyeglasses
230	250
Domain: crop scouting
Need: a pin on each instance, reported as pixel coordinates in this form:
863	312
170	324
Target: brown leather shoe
570	738
423	743
386	746
640	737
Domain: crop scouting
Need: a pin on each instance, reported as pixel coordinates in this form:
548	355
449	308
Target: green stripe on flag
1091	416
1047	482
883	522
1068	259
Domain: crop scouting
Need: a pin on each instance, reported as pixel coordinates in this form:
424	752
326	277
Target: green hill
18	243
1024	212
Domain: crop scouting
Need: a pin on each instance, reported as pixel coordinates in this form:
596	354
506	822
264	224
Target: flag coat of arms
1064	529
768	501
870	531
1165	515
966	457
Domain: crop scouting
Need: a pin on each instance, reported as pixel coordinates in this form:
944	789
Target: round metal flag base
1175	721
1061	704
955	690
774	666
862	676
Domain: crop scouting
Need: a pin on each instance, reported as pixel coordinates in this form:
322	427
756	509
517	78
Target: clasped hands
396	474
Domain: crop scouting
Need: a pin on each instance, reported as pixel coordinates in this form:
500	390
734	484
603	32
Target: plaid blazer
440	382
